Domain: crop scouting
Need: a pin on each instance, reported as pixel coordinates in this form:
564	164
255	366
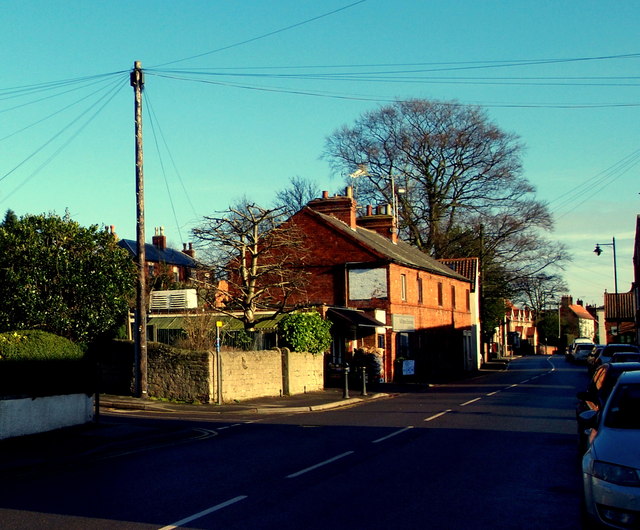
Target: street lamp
598	251
364	171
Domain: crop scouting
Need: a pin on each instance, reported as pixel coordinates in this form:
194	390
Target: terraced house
382	294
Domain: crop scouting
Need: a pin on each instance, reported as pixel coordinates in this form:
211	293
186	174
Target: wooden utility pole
137	82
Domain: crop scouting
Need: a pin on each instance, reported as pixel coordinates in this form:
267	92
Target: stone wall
249	374
306	372
182	375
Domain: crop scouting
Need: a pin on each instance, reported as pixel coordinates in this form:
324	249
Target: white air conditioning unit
176	300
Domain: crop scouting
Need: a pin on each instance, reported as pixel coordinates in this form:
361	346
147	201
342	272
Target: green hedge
35	363
35	345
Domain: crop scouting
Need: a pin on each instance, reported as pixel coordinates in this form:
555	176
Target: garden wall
19	417
183	375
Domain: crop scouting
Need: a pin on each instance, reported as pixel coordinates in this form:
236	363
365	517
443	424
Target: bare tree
297	195
540	291
253	258
460	177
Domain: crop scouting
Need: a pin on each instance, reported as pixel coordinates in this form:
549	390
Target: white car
611	465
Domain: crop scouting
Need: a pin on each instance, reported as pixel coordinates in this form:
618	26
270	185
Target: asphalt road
498	451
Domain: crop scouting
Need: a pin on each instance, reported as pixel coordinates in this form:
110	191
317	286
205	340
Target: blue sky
241	95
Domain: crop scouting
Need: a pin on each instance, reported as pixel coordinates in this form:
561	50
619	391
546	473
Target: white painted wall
19	417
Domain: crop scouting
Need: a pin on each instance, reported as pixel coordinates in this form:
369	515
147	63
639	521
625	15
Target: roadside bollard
345	394
364	381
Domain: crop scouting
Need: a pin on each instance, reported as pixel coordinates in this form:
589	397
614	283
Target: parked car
598	390
591	358
611	466
625	357
581	352
610	349
572	347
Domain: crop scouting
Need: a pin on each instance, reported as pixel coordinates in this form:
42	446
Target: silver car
611	465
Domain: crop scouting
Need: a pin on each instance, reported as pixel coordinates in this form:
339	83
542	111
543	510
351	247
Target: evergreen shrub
306	332
36	345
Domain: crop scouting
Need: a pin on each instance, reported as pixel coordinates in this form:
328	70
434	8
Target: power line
106	98
154	122
450	65
265	35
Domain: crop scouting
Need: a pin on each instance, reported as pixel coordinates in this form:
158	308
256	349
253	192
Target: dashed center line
392	435
431	418
306	470
198	515
493	393
470	401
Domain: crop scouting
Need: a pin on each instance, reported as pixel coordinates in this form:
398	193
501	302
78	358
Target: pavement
114	434
109	435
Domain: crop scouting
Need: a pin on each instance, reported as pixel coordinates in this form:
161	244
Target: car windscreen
624	408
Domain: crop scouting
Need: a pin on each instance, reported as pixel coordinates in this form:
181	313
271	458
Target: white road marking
392	435
198	515
513	386
493	393
470	401
431	418
303	471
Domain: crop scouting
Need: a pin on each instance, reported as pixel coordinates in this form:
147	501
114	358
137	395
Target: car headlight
622	475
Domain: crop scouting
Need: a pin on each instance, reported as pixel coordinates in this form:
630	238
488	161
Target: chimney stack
381	222
159	240
188	251
340	207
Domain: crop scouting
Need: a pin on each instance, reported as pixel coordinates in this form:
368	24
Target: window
419	290
381	342
468	299
403	287
440	296
453	297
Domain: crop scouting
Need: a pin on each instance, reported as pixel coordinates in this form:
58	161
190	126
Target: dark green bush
306	331
36	345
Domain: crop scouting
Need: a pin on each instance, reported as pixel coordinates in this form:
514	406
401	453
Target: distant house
575	320
517	333
383	294
173	265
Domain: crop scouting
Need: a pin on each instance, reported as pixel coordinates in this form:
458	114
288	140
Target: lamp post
364	171
598	251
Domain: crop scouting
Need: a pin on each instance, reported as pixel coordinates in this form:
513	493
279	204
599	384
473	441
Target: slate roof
169	256
400	252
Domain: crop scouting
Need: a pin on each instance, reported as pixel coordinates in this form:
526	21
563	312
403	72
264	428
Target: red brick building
381	293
